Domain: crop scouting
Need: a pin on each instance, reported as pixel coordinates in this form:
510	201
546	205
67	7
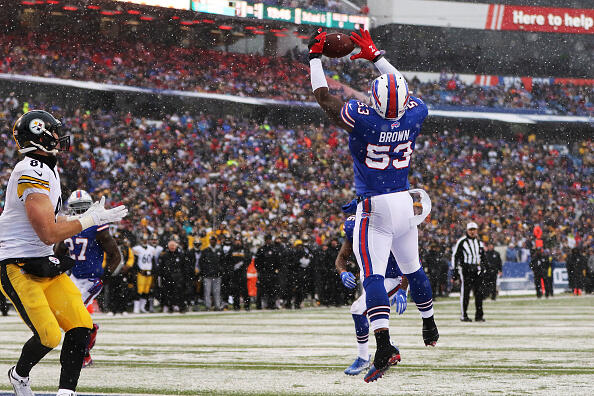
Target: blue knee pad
420	289
376	297
361	328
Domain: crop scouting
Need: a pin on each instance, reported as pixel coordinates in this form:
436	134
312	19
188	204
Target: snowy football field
526	347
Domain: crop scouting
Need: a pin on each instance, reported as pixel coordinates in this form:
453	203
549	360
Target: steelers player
146	255
31	276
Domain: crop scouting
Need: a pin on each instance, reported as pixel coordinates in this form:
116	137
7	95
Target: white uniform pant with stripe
89	288
383	224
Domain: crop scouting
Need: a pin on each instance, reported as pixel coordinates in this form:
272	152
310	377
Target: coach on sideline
468	260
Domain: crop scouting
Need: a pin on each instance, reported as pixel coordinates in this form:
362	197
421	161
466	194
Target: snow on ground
526	347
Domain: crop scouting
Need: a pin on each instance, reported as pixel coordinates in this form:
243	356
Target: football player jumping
88	249
31	276
396	286
382	138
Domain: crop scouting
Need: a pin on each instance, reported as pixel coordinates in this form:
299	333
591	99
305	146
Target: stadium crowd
188	177
153	65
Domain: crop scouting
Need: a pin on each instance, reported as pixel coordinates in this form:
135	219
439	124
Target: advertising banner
540	19
483	16
519	276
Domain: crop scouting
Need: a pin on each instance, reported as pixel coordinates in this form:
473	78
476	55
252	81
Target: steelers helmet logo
36	126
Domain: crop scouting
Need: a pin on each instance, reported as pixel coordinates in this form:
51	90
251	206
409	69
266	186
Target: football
338	45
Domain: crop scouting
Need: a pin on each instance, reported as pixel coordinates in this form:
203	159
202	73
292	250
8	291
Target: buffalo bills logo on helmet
36	126
395	125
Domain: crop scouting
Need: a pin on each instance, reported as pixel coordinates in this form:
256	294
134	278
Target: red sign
540	19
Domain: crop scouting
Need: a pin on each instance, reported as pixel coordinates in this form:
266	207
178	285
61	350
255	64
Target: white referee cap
472	225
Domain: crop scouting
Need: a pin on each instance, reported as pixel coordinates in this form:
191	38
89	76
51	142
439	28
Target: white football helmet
78	202
389	96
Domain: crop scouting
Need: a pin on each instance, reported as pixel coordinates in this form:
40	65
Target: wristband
86	222
318	79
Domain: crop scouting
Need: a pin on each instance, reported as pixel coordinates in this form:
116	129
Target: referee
467	260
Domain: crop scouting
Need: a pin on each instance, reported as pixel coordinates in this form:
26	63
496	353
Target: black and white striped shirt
467	252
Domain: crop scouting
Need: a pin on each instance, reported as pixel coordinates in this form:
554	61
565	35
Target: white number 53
378	158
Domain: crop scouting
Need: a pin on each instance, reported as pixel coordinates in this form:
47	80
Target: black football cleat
382	362
430	333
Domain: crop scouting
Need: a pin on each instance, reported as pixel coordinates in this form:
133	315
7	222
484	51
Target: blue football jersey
392	271
381	148
87	253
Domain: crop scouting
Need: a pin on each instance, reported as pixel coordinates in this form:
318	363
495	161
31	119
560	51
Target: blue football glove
398	300
348	279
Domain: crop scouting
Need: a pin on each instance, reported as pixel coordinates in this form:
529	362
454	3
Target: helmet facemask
79	202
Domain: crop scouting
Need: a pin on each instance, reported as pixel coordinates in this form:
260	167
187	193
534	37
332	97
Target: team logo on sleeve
36	126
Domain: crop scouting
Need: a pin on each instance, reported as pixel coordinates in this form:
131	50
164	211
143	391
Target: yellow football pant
143	283
45	304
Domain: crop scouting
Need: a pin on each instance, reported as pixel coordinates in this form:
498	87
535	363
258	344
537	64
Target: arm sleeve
318	78
386	67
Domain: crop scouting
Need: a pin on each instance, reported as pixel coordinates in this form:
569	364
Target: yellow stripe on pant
45	304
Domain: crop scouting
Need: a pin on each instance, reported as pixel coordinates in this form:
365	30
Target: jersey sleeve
102	227
136	250
348	113
31	181
420	108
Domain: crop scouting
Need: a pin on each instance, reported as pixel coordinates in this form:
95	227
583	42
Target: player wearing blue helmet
382	137
89	249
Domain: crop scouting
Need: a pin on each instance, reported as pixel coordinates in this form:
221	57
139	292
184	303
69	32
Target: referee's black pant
471	280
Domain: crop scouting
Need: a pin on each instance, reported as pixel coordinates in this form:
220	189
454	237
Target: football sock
382	339
362	331
33	351
73	352
378	304
420	291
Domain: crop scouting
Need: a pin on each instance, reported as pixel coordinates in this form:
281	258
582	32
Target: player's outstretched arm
370	52
329	103
112	252
40	212
348	279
